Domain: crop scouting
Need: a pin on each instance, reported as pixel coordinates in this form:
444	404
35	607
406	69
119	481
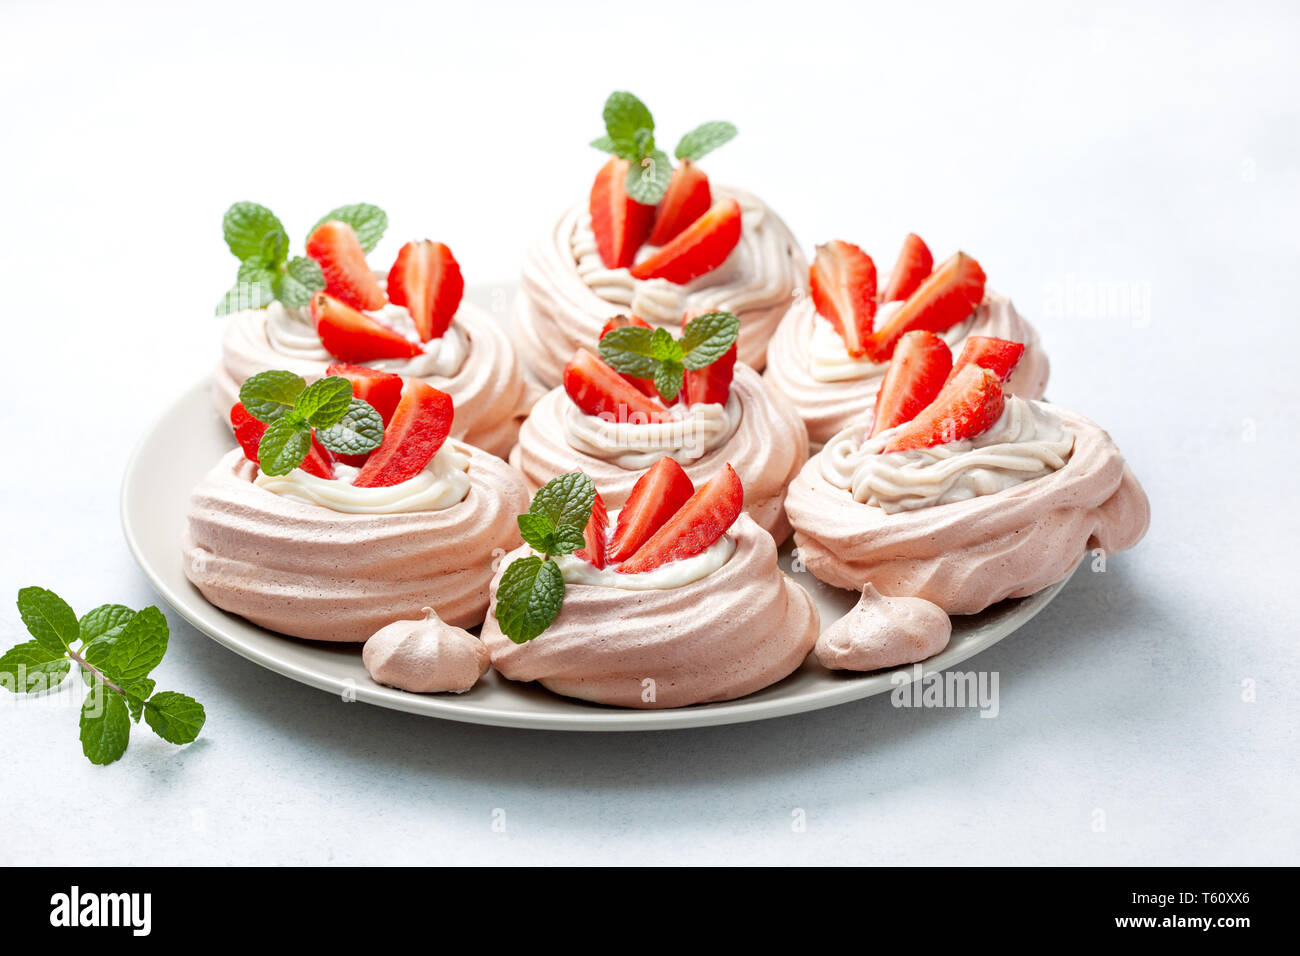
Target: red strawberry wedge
999	356
419	427
621	224
914	263
249	431
595	533
599	390
843	283
967	406
949	294
711	384
383	390
426	279
643	385
338	252
354	336
916	374
694	527
688	198
654	499
701	247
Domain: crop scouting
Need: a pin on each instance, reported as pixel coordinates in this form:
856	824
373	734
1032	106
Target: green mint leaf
529	598
105	725
668	379
255	274
624	115
605	145
301	280
538	532
32	667
137	692
268	395
648	178
709	337
324	402
105	621
136	651
359	431
645	142
367	221
250	229
664	347
283	447
705	138
174	717
630	350
243	296
48	618
565	499
569	538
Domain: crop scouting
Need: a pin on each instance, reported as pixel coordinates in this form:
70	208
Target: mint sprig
531	591
704	139
115	649
367	221
292	410
656	355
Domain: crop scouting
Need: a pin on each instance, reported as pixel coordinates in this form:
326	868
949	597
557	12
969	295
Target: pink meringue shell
427	656
884	632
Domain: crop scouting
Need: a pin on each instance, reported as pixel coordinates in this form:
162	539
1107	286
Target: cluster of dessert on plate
400	474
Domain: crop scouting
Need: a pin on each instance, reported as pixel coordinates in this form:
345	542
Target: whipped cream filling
1028	441
443	482
674	574
292	333
829	359
692	433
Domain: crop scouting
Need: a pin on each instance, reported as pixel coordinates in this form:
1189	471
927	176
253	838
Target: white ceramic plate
191	436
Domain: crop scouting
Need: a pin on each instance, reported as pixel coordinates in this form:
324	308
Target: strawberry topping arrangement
639	197
665	519
843	283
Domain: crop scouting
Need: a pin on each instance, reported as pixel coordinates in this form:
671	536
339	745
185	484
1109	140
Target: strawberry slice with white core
249	432
711	384
337	250
654	499
948	295
914	263
701	247
382	390
843	283
916	374
694	527
419	427
426	279
353	336
967	406
599	390
999	356
643	385
687	199
595	533
620	223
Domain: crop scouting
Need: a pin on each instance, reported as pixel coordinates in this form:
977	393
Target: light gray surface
1063	149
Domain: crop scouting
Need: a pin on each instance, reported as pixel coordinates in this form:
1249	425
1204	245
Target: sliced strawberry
999	356
701	247
354	336
843	283
694	527
621	224
338	252
426	279
596	531
967	406
688	198
249	431
643	385
947	296
914	263
916	374
599	390
383	390
711	384
419	427
654	499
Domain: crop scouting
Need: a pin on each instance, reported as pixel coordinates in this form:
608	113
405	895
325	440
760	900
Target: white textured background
1077	151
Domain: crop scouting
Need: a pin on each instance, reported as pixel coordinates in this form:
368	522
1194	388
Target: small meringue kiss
884	632
427	656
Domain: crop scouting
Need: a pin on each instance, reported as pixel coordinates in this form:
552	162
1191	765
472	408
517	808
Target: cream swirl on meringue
674	574
691	434
1027	441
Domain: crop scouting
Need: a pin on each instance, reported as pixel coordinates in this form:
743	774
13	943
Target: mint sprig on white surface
704	139
656	355
116	649
292	410
531	591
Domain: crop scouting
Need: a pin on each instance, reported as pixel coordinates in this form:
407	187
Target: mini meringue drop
884	632
427	656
